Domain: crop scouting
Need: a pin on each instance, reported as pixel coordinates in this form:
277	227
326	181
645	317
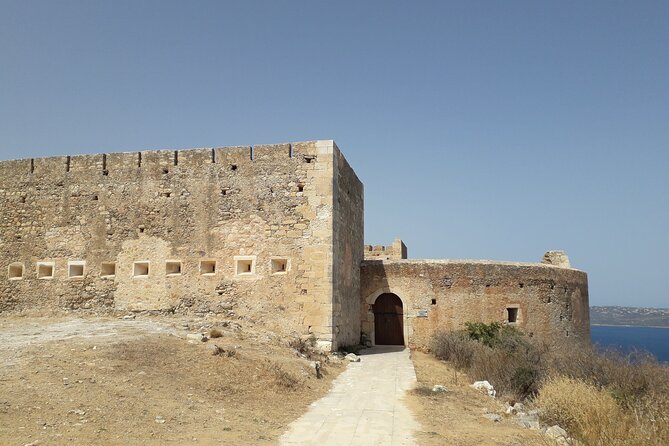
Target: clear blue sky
481	129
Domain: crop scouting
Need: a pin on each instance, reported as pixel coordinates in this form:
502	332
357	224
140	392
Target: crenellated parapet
156	161
396	251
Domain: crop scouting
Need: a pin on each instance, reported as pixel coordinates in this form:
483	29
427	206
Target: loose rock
196	337
352	357
485	385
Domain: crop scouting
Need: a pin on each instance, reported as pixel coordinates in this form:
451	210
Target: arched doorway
388	320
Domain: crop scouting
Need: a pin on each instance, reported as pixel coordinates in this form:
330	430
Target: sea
627	339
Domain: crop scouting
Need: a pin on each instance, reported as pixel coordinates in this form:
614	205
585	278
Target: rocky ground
145	381
456	414
154	380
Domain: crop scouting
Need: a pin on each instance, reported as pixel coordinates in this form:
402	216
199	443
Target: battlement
165	160
396	251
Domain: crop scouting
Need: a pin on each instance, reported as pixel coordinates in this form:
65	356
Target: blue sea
626	339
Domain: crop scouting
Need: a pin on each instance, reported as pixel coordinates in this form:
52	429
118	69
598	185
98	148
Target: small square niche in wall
140	269
15	271
75	269
279	265
45	270
512	315
207	267
108	269
245	265
173	268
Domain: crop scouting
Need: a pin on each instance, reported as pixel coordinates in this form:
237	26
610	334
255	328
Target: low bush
454	346
493	352
305	346
215	333
600	398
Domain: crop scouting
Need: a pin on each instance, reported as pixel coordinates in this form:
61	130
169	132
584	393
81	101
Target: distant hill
641	317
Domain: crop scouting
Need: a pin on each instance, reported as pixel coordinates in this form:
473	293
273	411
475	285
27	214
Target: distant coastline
615	316
628	325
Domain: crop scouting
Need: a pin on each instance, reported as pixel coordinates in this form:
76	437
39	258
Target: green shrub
494	352
484	333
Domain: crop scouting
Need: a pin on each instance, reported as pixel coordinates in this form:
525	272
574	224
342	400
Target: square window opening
108	269
16	271
140	269
75	270
279	266
512	315
207	267
434	301
45	270
173	268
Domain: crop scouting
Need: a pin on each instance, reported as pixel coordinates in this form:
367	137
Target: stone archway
388	320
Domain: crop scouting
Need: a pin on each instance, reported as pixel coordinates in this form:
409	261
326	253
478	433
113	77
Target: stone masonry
269	233
547	300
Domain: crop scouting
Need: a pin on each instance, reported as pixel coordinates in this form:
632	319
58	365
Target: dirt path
109	381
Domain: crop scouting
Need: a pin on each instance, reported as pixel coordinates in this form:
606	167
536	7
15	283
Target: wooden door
388	320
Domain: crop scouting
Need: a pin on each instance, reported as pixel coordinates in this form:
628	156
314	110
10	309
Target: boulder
352	357
439	388
557	434
515	409
528	421
485	385
199	337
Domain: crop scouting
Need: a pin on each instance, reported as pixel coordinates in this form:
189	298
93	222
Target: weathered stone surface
556	258
547	302
271	233
557	434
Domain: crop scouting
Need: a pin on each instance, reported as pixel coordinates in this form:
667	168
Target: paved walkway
364	406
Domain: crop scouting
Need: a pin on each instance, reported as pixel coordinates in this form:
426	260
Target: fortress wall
396	251
348	251
234	206
552	302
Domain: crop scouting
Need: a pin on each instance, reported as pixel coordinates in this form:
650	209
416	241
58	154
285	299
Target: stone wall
242	230
549	302
348	245
396	251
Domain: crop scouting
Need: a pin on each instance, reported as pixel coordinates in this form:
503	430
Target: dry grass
455	417
583	410
595	417
601	398
123	382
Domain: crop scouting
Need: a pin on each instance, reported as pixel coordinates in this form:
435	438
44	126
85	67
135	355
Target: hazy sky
491	130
